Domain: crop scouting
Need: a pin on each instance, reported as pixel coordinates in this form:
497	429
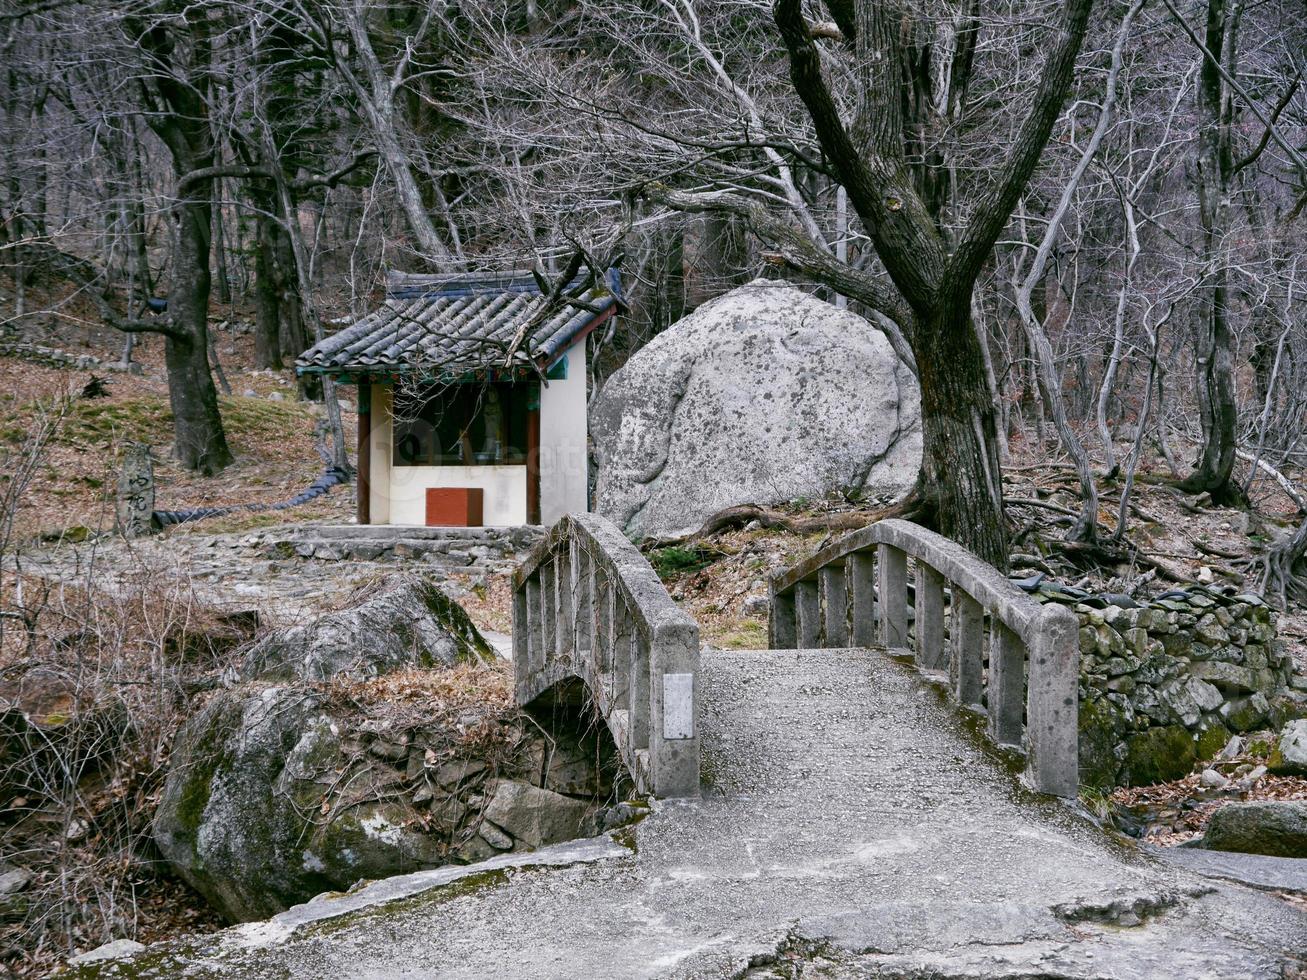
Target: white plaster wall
504	500
399	492
564	469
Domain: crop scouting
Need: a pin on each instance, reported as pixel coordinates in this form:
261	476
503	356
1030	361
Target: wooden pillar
363	482
533	461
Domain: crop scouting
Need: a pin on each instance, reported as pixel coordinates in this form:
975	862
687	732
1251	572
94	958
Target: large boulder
280	790
763	395
411	624
1276	828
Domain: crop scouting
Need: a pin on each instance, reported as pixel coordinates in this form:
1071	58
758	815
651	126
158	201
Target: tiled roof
460	322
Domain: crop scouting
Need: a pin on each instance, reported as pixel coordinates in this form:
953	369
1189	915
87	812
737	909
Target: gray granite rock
763	395
1277	828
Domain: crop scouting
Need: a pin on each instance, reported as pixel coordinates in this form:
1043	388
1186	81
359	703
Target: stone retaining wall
1168	683
498	548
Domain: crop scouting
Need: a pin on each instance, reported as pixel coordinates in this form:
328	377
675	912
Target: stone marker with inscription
136	491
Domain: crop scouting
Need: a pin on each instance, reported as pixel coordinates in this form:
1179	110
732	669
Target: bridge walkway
847	820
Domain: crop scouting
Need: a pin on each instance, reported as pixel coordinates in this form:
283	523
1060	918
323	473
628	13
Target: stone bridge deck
847	821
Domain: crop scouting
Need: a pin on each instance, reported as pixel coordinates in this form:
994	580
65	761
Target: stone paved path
849	826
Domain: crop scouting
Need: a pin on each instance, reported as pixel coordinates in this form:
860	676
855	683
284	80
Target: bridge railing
587	604
855	592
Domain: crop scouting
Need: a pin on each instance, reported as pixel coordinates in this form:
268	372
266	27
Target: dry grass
92	688
273	442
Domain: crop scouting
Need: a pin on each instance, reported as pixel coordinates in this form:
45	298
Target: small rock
536	816
109	951
1213	779
1290	755
1206	576
14	881
249	393
1232	749
495	837
1250	779
755	605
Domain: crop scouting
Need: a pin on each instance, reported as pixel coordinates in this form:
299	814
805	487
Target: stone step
454	552
525	535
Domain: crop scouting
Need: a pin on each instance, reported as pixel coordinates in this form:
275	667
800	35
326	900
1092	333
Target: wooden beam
363	506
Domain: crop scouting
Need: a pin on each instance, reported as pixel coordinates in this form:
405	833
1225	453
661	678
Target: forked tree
933	272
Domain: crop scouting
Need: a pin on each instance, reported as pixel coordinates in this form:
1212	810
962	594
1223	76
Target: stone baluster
1006	684
601	619
782	630
862	571
931	653
639	690
808	611
967	633
564	620
836	605
893	567
548	606
582	611
623	640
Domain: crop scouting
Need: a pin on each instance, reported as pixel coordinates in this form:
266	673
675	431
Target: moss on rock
1159	755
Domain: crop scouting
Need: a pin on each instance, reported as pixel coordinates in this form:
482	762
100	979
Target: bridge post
674	702
782	631
1006	684
893	567
808	610
837	606
968	635
862	571
1052	705
931	654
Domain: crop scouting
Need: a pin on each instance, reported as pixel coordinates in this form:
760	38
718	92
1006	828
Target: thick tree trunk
267	302
197	426
1215	344
961	476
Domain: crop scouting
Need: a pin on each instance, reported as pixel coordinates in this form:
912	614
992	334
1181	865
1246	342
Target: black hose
331	477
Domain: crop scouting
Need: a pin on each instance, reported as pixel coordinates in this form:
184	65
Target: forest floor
720	579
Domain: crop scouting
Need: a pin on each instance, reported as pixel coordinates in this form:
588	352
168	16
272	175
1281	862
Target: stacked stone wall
1166	684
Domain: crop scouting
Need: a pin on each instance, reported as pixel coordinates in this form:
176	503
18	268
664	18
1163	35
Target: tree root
742	514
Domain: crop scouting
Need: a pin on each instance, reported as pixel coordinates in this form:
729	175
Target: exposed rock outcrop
411	624
763	395
280	790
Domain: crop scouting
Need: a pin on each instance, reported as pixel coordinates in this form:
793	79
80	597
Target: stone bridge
824	809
